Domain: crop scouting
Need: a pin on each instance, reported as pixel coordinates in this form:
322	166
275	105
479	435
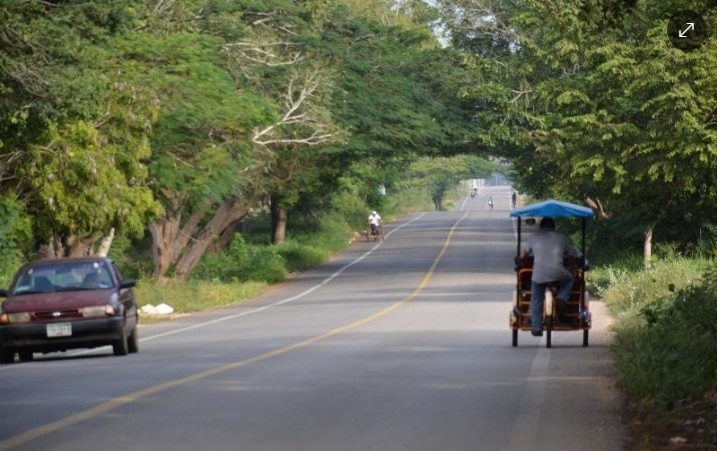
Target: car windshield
63	276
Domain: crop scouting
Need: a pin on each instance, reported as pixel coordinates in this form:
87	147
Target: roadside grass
665	349
194	296
626	289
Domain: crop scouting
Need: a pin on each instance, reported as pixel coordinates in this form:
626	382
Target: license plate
59	330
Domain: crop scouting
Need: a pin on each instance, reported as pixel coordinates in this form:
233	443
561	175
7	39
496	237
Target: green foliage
439	175
351	209
629	289
78	187
15	238
243	262
667	353
389	95
201	140
195	295
133	257
312	244
590	98
121	114
665	336
300	256
408	200
74	129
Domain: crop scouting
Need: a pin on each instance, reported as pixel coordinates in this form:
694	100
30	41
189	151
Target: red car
56	305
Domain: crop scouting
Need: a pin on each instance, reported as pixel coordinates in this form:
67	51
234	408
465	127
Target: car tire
133	341
7	356
25	356
119	347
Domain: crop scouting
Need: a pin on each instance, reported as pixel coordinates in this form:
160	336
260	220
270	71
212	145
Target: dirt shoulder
689	426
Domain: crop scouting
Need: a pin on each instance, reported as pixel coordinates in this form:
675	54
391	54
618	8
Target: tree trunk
225	239
279	218
163	234
47	252
225	216
438	202
106	244
169	241
647	248
80	248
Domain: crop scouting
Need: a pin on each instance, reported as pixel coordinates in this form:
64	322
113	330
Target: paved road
396	345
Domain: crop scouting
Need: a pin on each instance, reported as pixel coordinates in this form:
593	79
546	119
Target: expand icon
687	30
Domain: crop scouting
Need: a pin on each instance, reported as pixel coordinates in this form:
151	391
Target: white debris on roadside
161	309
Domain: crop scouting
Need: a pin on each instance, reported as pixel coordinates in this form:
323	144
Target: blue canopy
553	208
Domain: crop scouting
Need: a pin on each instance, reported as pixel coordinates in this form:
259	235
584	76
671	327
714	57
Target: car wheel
25	356
7	356
119	347
133	341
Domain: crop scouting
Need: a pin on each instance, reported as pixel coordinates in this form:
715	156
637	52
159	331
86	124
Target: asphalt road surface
400	344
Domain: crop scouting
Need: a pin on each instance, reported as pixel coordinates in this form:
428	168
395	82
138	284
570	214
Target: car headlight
97	311
21	317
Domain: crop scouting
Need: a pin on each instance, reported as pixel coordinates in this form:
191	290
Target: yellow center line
119	401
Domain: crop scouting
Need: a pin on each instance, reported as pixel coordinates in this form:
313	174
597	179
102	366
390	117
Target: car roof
64	261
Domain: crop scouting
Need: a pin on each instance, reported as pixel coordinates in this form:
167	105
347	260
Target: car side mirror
127	283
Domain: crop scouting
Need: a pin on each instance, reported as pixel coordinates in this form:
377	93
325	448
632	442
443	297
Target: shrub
664	349
242	262
300	256
349	209
624	290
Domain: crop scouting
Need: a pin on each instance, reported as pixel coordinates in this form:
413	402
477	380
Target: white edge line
287	300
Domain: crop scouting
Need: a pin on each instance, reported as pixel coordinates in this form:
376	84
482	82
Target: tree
273	59
439	175
633	116
201	160
603	105
73	144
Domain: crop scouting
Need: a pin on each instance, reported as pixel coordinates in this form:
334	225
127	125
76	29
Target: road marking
120	401
275	304
525	429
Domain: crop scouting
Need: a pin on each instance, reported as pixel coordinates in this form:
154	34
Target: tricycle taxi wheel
515	338
585	338
549	332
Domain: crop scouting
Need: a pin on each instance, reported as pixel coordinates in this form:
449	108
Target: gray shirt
549	248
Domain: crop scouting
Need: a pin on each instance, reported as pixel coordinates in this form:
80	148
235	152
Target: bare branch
270	54
596	207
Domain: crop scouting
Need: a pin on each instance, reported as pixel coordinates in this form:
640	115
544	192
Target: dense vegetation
165	125
164	128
